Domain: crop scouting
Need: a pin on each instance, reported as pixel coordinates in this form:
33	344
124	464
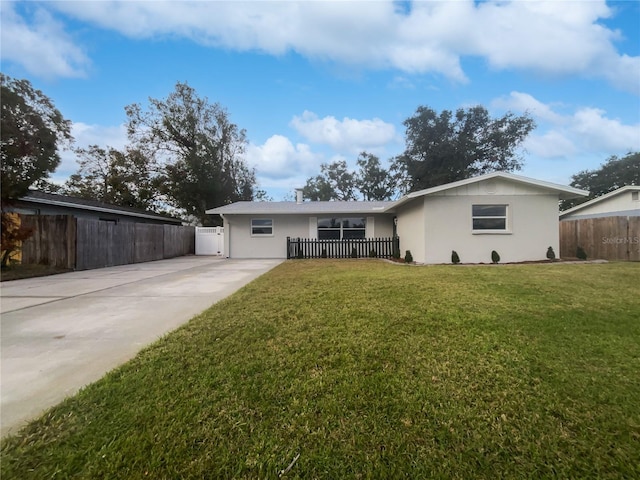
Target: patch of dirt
18	271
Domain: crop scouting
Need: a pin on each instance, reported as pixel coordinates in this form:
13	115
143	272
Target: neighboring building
623	202
514	215
40	203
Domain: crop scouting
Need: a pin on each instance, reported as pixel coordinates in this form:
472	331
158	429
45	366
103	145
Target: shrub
300	256
396	253
324	253
455	259
354	253
580	253
495	258
408	258
551	255
373	253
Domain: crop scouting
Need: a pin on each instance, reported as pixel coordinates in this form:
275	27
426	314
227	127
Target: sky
317	81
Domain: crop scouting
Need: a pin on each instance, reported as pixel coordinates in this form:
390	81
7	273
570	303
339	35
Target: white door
209	240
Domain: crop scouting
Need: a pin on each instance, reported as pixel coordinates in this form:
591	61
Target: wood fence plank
607	238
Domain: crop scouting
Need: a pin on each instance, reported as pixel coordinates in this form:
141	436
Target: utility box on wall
210	241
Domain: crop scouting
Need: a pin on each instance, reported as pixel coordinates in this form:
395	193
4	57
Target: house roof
563	191
35	196
344	207
273	208
606	196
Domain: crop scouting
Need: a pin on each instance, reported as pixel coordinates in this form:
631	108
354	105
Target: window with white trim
341	228
261	227
489	218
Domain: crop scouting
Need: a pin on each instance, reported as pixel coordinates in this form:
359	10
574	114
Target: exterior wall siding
532	228
239	243
411	229
618	203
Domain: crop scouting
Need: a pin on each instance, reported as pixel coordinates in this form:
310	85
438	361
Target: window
489	218
261	226
341	228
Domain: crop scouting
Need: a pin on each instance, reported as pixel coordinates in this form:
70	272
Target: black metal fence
347	248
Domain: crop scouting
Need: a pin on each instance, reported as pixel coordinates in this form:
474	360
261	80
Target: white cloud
605	134
346	135
553	38
551	144
585	131
523	102
41	47
278	158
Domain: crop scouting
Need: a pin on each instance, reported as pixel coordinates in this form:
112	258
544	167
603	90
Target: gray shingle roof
36	196
273	208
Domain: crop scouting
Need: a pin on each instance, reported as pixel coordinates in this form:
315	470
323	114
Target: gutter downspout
227	236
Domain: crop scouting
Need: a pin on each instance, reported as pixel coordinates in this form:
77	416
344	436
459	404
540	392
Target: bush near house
408	258
580	253
495	257
551	255
367	370
455	258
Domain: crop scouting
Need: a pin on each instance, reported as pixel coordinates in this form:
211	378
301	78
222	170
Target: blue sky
316	81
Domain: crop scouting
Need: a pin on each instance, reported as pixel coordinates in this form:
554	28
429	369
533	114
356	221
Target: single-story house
622	202
41	203
511	214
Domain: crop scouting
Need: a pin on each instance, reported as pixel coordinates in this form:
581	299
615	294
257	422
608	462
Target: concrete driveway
62	332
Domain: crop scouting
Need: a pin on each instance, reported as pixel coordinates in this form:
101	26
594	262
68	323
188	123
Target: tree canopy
372	180
337	182
446	147
33	131
126	178
614	173
200	150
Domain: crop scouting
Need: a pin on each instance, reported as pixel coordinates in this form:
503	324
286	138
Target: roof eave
564	192
599	199
79	206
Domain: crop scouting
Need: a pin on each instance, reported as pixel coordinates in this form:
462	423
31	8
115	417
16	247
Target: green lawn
368	369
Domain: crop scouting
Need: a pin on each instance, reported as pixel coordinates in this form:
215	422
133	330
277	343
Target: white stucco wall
532	228
434	225
411	229
618	203
240	244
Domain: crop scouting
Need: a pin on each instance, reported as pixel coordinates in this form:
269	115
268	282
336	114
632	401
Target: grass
370	370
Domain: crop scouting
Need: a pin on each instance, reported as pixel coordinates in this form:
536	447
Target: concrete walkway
62	332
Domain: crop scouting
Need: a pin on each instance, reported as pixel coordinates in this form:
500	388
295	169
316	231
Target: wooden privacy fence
608	238
65	241
347	248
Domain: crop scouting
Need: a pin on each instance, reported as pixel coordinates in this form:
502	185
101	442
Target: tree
447	147
127	178
201	149
373	181
32	131
614	173
335	182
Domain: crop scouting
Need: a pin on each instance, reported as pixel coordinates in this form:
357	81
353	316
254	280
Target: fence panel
53	241
83	243
104	244
347	248
148	242
608	238
178	241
